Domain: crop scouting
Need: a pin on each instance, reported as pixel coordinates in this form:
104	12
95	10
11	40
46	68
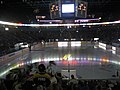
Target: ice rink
83	59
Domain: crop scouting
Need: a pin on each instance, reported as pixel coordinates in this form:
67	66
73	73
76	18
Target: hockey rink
86	60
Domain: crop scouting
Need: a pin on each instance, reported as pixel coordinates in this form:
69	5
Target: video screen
68	8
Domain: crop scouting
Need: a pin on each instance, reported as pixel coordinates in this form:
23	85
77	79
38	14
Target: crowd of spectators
9	38
37	76
15	35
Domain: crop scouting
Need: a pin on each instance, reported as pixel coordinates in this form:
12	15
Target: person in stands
52	68
2	85
73	80
40	79
72	84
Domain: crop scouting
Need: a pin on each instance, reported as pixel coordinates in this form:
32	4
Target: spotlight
6	29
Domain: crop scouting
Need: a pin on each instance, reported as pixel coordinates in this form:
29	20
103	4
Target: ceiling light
6	29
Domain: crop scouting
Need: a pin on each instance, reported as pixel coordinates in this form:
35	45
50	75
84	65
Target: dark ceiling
26	10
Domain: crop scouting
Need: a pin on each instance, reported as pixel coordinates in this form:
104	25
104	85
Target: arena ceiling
26	10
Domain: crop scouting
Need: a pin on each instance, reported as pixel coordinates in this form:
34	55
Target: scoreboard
81	9
54	10
68	9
